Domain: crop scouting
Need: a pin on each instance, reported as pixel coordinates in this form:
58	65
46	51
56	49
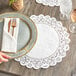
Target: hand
4	57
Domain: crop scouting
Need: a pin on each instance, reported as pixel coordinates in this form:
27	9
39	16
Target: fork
13	25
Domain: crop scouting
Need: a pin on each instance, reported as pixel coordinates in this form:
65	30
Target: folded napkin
9	42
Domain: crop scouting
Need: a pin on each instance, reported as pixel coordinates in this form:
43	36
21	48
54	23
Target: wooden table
66	67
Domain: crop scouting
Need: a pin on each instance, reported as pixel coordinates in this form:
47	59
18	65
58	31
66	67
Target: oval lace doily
65	5
51	46
49	2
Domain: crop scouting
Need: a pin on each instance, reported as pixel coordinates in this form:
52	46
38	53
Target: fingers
3	59
6	56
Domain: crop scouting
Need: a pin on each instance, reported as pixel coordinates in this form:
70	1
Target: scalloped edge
59	58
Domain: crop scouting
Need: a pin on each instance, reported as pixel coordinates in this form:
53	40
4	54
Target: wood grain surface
67	67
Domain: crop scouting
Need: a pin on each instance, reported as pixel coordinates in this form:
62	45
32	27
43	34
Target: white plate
51	46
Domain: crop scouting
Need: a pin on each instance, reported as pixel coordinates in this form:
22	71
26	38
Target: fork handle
13	31
9	23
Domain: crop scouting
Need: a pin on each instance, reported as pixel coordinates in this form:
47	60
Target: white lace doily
51	46
65	5
49	2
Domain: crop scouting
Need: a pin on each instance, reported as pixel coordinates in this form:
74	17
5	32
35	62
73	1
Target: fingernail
0	62
6	61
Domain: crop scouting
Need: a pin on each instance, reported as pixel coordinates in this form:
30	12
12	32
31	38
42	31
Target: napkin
9	42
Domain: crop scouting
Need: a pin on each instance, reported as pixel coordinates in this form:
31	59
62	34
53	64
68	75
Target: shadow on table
3	73
4	6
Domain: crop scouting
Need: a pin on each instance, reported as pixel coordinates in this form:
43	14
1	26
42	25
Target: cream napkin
9	42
